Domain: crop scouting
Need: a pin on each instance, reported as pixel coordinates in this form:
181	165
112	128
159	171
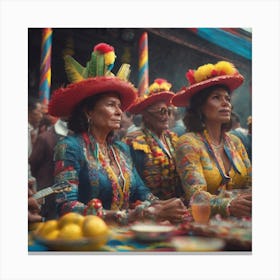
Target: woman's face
217	107
156	117
106	114
36	115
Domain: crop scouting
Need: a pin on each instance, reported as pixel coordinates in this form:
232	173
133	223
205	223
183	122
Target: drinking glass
201	208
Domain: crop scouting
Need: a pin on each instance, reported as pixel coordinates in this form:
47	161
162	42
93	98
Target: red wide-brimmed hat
221	73
95	78
159	90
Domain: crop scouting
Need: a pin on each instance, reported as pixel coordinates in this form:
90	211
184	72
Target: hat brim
64	100
141	105
182	98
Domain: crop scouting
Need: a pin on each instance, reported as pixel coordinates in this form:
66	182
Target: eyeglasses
161	111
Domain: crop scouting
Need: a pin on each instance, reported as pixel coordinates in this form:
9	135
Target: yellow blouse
198	169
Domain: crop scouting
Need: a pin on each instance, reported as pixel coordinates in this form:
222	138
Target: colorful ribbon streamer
45	66
143	78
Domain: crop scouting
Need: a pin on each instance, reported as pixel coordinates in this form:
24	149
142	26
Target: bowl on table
81	244
197	244
151	232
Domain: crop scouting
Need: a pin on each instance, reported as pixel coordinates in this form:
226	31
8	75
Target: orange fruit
71	218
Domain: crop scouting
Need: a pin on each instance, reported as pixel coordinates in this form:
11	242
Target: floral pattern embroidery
120	198
91	178
159	170
198	170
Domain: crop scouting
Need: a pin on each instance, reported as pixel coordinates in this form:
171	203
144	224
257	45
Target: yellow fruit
35	226
96	229
47	227
53	234
70	232
94	226
71	218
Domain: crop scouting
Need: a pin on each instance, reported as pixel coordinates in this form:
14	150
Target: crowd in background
141	158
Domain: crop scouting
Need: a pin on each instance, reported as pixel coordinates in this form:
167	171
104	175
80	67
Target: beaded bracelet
152	198
139	209
149	213
121	217
228	207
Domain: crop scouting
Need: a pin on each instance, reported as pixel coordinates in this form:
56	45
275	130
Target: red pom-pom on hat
214	73
190	76
160	81
103	48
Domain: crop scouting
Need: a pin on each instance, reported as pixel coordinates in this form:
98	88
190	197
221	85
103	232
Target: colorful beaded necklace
162	158
226	182
120	199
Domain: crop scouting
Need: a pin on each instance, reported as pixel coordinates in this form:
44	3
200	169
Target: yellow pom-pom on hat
203	72
159	85
225	68
154	87
109	58
222	73
159	90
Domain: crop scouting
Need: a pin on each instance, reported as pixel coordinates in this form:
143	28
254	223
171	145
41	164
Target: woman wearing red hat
99	169
208	158
152	147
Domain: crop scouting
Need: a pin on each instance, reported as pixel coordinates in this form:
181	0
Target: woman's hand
33	209
172	210
241	206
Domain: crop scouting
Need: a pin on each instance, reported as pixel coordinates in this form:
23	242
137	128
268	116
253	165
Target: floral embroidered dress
79	161
155	162
200	169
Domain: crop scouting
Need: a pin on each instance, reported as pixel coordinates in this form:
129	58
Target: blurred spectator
35	116
236	125
176	123
249	136
42	164
33	209
126	122
129	123
245	135
45	124
137	120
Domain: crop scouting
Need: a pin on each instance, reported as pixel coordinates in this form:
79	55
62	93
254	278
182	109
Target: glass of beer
201	208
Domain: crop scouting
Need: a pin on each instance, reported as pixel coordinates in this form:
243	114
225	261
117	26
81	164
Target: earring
201	118
89	124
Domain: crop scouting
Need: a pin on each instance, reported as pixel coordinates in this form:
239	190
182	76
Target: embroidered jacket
154	163
78	161
198	168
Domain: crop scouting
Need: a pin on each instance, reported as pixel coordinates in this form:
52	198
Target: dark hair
32	103
128	114
194	119
137	120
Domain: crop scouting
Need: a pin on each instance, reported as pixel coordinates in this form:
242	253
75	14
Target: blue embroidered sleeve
68	158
